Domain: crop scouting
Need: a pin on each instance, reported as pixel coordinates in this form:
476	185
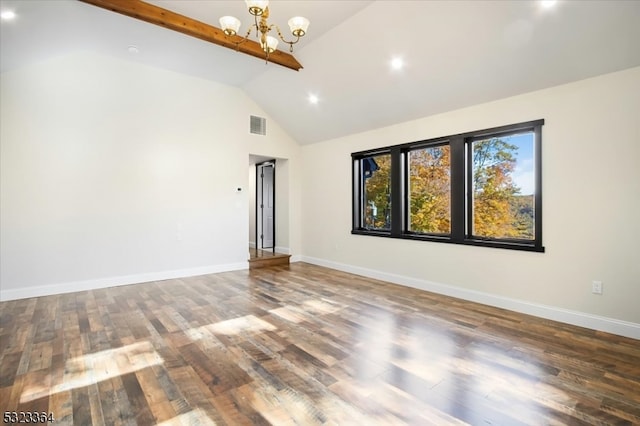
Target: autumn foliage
495	195
499	210
430	190
377	195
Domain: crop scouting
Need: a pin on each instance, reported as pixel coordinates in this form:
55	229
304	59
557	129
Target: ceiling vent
258	125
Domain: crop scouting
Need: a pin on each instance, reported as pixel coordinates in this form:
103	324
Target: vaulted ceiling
456	53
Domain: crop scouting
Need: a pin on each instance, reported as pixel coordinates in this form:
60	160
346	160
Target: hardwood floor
304	345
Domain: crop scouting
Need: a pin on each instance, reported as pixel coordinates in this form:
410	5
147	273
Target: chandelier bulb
298	25
257	7
230	25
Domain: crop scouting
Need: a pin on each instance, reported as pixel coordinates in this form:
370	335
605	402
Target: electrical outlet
596	287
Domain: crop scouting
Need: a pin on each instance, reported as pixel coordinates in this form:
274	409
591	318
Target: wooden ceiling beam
165	18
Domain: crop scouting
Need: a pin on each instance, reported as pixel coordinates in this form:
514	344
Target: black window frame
461	193
361	188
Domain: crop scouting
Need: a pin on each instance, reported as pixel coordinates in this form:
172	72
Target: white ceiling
457	53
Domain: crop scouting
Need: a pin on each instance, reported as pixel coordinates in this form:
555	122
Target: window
377	192
375	174
503	187
429	189
479	188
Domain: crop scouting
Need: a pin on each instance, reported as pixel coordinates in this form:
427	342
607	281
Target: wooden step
262	258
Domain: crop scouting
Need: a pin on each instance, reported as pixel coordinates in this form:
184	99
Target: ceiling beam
185	25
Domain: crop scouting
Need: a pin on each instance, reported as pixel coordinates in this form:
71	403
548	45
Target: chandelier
260	8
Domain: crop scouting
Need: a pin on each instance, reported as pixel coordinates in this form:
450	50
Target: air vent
258	125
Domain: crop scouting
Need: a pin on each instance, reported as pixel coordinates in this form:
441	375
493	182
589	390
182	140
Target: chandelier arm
290	43
263	38
256	25
246	36
243	39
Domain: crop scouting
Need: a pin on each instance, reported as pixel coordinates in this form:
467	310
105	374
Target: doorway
265	205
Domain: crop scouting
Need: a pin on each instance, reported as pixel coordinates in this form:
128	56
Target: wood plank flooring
304	345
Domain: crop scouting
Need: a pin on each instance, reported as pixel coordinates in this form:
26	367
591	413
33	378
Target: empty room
310	212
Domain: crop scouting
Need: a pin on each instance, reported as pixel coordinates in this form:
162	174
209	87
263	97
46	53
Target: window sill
509	245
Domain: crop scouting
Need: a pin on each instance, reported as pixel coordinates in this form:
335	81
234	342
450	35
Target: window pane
504	186
430	190
376	192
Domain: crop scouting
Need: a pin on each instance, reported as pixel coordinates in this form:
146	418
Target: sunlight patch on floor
286	406
196	417
289	313
92	368
298	314
320	307
245	324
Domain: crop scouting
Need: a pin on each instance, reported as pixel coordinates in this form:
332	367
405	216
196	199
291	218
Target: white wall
283	207
591	203
113	172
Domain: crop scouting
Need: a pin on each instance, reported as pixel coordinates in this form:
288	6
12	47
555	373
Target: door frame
259	210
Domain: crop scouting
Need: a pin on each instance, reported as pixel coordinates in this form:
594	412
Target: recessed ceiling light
133	49
397	63
313	99
7	15
548	4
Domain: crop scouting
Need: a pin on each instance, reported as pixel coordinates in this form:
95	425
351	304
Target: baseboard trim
252	244
70	287
581	319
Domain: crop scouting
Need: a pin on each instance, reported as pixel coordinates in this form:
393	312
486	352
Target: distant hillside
522	208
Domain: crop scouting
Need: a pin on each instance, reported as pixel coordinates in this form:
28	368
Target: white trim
70	287
581	319
295	258
252	244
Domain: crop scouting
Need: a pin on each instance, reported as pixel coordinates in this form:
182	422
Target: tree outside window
429	184
503	186
377	192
